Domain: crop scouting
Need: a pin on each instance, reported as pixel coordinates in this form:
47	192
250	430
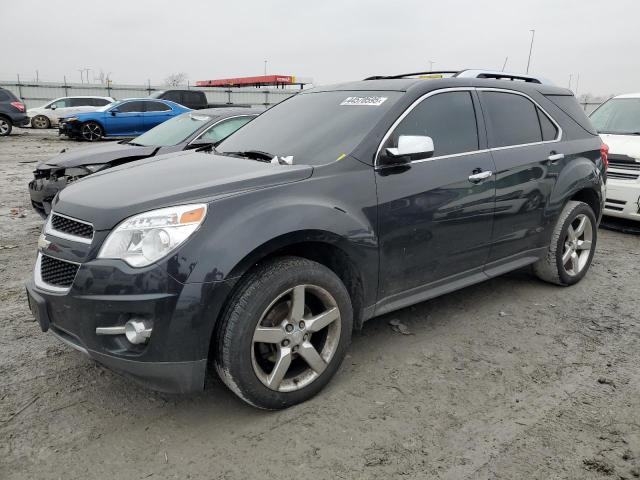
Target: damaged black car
191	130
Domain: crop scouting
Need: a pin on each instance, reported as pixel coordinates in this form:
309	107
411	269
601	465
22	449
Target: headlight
94	168
146	238
69	119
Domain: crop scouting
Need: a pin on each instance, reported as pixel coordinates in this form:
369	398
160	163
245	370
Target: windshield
173	131
314	128
619	116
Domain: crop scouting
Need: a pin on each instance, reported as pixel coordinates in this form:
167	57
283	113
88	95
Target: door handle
480	176
555	158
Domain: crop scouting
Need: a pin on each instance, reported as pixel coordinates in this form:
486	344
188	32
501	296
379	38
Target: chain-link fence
35	94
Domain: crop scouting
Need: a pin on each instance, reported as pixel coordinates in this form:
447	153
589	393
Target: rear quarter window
569	105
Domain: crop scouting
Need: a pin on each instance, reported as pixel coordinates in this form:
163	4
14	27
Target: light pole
431	62
533	35
265	68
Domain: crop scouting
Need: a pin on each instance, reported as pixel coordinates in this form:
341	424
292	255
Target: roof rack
490	74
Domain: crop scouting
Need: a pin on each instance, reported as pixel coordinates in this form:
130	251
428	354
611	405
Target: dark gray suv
337	205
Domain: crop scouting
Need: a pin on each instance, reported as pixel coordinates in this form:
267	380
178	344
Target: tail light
604	154
18	105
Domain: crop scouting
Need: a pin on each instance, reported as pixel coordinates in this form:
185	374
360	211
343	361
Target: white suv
618	123
47	116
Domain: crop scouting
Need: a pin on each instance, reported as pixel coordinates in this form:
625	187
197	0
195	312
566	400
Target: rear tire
572	246
40	121
5	127
91	131
284	333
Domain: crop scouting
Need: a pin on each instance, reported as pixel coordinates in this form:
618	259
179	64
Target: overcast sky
330	41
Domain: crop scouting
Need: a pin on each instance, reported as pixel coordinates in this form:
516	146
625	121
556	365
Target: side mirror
114	111
410	147
53	107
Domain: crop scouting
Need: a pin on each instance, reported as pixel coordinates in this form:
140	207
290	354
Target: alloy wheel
296	338
4	126
577	245
91	132
40	122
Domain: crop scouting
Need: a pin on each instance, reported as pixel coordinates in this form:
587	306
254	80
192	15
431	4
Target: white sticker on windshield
372	101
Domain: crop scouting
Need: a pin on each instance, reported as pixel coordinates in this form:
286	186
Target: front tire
40	121
5	127
573	244
284	333
91	131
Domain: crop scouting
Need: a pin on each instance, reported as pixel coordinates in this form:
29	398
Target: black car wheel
5	127
40	121
91	131
573	244
284	333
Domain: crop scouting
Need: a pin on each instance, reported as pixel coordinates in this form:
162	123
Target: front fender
243	228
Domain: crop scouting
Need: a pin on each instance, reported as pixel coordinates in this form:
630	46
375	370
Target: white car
47	116
618	123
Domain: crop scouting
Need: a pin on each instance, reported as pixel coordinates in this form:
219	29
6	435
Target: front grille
71	227
623	176
624	165
57	272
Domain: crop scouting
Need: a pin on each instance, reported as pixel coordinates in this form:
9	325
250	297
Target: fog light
137	331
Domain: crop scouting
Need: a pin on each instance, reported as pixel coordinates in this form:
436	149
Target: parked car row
259	256
189	130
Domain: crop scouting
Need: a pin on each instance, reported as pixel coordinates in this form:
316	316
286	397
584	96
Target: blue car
124	118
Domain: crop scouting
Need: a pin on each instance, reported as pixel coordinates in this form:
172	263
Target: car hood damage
106	198
97	154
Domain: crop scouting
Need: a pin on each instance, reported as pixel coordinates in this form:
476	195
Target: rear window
5	95
569	105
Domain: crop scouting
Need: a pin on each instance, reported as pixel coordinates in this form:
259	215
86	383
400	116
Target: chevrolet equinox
339	204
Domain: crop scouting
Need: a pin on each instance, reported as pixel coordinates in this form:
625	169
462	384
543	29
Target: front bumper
108	293
70	129
42	191
623	199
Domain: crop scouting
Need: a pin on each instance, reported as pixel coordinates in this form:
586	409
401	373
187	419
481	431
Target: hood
108	197
628	145
82	116
96	154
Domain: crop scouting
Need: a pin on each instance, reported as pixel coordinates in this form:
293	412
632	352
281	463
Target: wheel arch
591	198
326	248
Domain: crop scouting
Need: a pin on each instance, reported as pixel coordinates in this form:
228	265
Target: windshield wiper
252	154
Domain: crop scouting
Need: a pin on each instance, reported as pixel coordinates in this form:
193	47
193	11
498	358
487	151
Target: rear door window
156	107
511	119
192	98
80	102
448	118
4	95
130	107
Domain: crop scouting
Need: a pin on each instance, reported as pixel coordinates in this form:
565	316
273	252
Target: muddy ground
510	379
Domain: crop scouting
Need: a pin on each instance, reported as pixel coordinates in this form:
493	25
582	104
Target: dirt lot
511	379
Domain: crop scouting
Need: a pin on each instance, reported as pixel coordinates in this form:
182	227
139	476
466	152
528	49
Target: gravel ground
510	379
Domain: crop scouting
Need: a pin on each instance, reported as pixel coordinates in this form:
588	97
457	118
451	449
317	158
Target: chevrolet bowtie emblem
43	243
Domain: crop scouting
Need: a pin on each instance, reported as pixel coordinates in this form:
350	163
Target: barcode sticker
371	101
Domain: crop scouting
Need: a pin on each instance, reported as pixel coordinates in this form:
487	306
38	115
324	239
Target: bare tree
101	76
176	79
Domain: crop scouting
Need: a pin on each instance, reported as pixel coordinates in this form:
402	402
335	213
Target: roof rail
489	74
